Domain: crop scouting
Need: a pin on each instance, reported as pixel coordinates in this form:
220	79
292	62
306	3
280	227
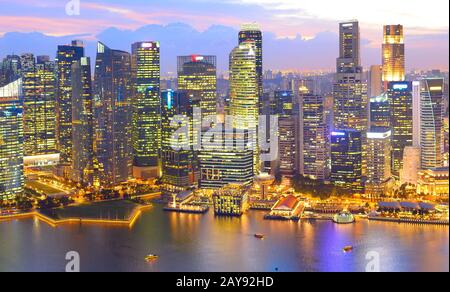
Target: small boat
348	249
259	236
151	258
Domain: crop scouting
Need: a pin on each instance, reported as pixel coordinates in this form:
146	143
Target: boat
348	248
259	236
151	258
344	217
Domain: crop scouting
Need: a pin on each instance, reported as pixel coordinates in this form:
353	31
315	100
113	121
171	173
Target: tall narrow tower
393	54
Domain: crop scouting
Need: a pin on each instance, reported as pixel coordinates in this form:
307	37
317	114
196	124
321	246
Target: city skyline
300	40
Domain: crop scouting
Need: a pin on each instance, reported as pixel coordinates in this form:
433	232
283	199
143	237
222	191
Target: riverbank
409	221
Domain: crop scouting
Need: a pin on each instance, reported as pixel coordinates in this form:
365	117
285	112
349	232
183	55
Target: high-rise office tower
378	160
83	123
197	76
145	70
431	122
346	159
393	54
401	99
349	91
252	32
314	137
380	111
411	165
244	93
226	159
39	92
178	170
66	56
375	79
112	95
416	85
11	141
10	69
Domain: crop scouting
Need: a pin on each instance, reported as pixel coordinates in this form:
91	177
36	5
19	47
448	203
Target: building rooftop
287	203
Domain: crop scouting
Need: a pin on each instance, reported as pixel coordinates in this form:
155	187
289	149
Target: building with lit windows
83	123
314	138
431	122
178	169
375	77
252	32
378	160
39	81
380	111
244	94
10	69
401	100
393	51
346	159
434	182
411	165
67	55
349	90
146	105
197	76
113	116
231	200
11	141
226	159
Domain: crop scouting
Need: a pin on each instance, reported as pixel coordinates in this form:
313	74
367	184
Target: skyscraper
349	91
66	56
400	97
112	95
197	76
244	93
346	159
83	123
10	69
252	32
39	83
145	69
431	122
178	170
393	54
378	160
380	111
11	141
375	77
314	137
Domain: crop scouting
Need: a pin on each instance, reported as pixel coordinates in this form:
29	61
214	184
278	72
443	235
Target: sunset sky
286	21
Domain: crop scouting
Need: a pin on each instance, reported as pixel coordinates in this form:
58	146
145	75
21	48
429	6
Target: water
187	242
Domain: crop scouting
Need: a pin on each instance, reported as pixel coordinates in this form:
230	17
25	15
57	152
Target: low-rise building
434	182
287	207
231	200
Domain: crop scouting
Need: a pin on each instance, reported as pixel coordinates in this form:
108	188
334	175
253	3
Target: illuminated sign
196	58
147	45
435	88
400	86
338	134
374	135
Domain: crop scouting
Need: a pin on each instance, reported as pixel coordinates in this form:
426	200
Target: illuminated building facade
401	99
226	159
11	141
10	69
346	159
113	117
231	200
314	143
178	171
431	122
39	81
378	160
145	69
393	54
252	32
197	76
434	182
244	93
83	123
411	165
67	55
380	111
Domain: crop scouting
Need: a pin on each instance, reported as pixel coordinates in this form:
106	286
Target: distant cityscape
354	144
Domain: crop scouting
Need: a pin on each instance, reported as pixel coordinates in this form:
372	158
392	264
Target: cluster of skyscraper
119	124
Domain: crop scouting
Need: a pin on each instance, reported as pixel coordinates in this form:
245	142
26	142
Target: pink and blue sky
299	34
